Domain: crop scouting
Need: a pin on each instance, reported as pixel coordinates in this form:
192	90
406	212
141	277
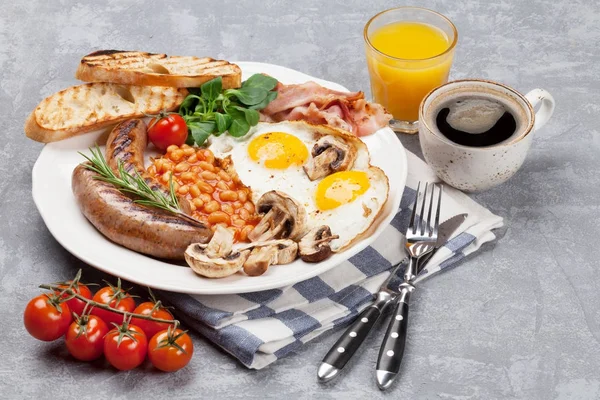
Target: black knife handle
392	348
343	350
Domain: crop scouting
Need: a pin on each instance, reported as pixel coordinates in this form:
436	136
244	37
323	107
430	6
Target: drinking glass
399	84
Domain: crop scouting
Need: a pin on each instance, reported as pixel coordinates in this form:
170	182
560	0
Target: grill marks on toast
123	85
91	106
85	105
141	68
193	65
126	60
108	52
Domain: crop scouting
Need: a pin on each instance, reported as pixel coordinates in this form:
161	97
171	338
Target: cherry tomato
155	310
116	298
125	347
85	338
76	305
167	129
45	318
170	350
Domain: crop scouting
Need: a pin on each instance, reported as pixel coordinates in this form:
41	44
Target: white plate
51	181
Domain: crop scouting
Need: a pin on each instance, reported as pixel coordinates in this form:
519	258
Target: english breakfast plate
51	189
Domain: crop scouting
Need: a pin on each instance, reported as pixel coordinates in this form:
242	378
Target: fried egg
271	157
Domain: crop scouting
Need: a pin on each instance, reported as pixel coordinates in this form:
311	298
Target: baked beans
222	185
195	192
212	206
206	166
219	216
243	233
205	197
224	175
216	195
227	208
182	167
208	176
176	155
198	203
228	195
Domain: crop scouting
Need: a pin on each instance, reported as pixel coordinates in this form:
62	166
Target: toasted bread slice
140	68
92	106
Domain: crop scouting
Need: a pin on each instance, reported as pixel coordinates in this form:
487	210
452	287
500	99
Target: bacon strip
318	105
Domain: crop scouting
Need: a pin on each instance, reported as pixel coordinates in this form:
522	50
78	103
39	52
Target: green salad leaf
210	110
260	81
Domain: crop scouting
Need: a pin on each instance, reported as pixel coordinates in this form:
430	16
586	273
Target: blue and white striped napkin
259	328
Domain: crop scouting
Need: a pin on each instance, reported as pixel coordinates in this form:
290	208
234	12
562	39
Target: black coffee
475	121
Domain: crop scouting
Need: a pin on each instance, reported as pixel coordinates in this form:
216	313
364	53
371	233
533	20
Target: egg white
348	220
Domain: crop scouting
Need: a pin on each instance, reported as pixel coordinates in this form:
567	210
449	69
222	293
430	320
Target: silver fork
421	237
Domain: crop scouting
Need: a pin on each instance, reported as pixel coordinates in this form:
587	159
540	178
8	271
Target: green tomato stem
106	306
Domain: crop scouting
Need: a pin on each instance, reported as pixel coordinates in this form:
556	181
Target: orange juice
409	61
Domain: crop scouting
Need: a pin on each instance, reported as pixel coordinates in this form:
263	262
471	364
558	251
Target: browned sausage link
127	143
143	229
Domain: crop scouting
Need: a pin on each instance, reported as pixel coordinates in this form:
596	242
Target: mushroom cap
330	154
270	252
283	217
220	267
314	246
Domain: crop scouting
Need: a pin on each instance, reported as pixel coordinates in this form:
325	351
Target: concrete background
518	321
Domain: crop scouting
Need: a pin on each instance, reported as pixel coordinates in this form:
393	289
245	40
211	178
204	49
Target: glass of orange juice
409	52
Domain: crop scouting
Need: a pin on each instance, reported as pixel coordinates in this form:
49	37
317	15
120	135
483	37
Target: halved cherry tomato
125	347
155	310
76	305
85	338
170	350
116	298
167	129
46	318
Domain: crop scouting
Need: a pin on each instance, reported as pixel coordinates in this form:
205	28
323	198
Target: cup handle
547	108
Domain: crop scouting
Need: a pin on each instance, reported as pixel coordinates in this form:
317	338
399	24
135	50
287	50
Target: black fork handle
345	347
394	341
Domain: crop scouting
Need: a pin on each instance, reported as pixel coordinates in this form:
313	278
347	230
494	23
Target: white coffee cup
479	168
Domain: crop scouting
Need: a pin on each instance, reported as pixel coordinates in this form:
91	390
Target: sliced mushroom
287	250
214	267
265	254
314	246
220	244
330	154
259	260
283	218
215	259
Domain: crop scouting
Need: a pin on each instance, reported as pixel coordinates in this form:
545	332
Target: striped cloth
259	328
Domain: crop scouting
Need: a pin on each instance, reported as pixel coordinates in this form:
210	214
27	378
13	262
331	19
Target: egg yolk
278	150
341	188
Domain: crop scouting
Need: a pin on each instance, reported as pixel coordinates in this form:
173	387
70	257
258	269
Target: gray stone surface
520	320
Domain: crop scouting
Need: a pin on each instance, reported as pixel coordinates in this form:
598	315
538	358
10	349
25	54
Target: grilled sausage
126	144
143	229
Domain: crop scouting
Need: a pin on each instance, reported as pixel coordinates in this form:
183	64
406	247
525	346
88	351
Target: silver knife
343	350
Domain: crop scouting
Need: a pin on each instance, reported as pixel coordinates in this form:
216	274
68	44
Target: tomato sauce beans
217	196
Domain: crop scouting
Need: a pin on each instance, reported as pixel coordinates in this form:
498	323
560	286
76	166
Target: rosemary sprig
136	185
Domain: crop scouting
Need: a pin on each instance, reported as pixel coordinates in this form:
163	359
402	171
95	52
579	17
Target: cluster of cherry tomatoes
91	331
